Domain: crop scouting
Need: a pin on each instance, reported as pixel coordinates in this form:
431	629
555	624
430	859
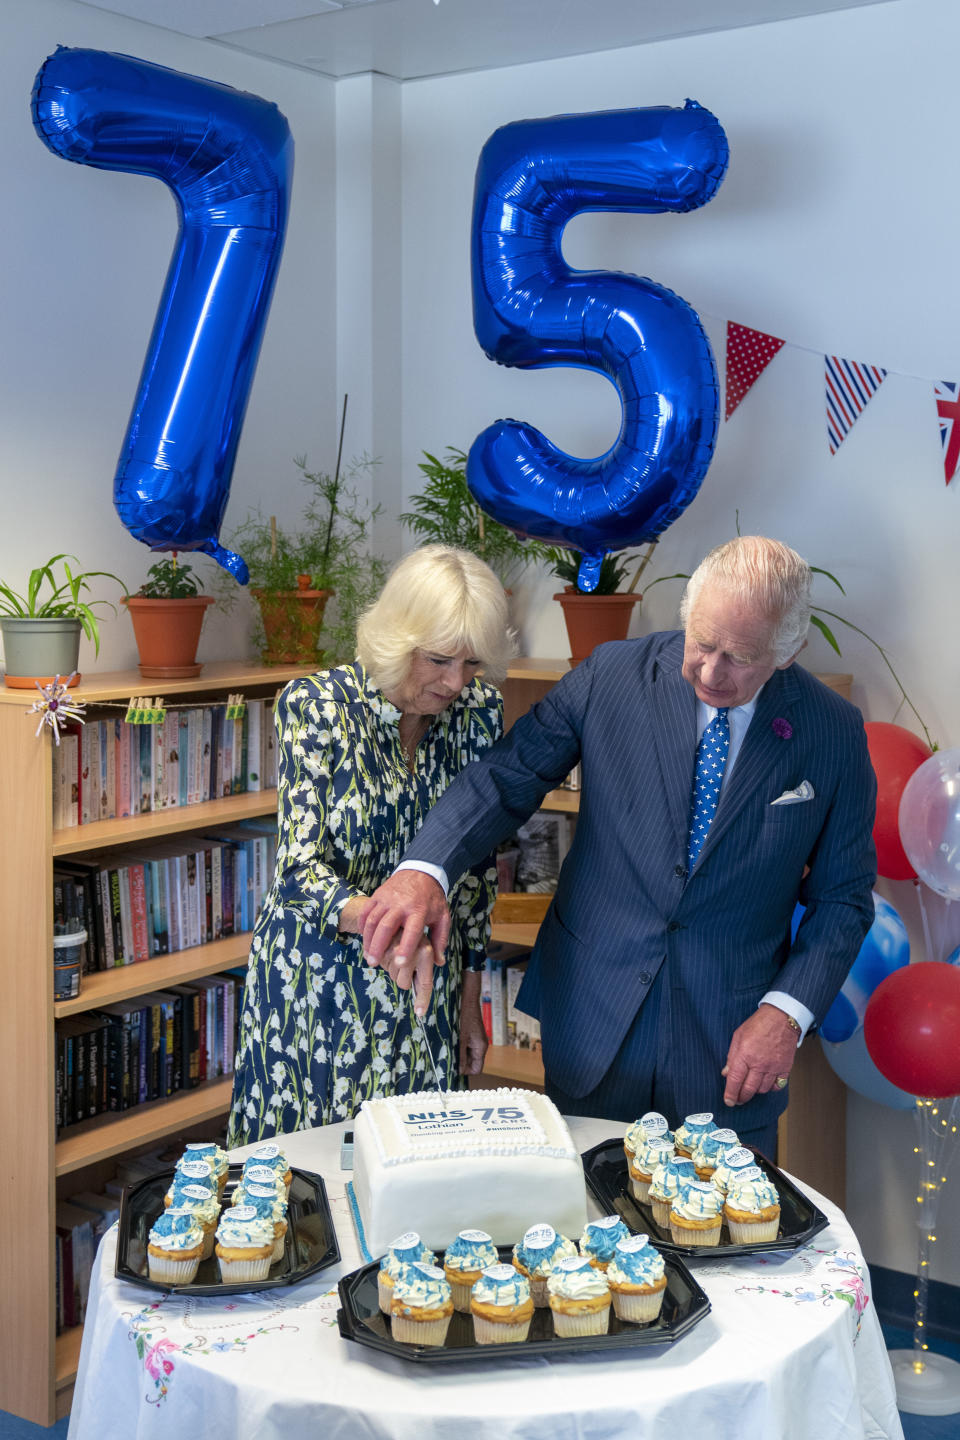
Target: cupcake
265	1175
731	1163
466	1258
695	1217
599	1240
690	1131
193	1172
203	1203
407	1249
752	1210
650	1154
244	1245
421	1306
174	1246
536	1255
637	1279
651	1126
501	1306
272	1156
217	1159
710	1149
579	1298
271	1205
665	1185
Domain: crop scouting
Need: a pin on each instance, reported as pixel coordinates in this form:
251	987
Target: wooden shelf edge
515	934
67	1357
105	987
507	1062
141	829
110	1135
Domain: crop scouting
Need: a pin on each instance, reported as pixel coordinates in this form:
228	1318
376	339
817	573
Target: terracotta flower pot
167	634
594	619
292	620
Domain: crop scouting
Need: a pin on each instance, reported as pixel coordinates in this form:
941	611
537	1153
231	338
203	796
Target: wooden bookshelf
37	1369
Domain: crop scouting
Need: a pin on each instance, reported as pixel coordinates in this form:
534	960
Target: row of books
81	1222
500	983
107	769
145	1049
166	896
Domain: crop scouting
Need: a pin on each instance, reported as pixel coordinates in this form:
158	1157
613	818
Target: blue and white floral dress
320	1030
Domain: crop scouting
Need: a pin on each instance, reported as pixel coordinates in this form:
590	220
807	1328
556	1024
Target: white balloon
929	822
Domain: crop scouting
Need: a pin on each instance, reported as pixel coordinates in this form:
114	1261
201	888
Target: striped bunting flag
850	386
948	410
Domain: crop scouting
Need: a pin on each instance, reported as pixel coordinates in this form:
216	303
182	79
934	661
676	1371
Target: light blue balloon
851	1061
886	947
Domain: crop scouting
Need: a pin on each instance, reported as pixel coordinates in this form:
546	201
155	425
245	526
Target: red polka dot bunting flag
749	352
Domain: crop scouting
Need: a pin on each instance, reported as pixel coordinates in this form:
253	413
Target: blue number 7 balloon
531	310
228	158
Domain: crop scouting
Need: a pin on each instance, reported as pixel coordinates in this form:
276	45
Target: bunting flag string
850	385
948	411
749	352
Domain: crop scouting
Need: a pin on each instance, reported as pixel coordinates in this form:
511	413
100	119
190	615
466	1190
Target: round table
791	1350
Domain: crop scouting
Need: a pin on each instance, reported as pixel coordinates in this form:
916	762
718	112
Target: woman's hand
473	1037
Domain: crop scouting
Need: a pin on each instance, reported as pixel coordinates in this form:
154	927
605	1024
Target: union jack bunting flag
948	409
850	386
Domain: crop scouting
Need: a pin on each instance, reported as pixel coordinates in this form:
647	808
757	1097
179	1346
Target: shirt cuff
794	1008
436	872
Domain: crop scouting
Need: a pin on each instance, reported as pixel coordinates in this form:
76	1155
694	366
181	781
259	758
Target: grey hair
441	599
761	572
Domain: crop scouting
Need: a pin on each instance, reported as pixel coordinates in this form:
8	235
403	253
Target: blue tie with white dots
712	755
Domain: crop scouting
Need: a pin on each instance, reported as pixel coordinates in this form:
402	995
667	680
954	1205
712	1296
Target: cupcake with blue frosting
174	1247
710	1149
202	1200
599	1240
637	1279
579	1297
244	1245
696	1216
215	1157
730	1165
693	1127
269	1202
666	1183
649	1154
407	1249
752	1209
466	1258
421	1306
537	1253
501	1306
651	1126
274	1159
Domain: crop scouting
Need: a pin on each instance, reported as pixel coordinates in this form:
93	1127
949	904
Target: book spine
254	740
93	729
216	886
226	887
145	733
116	918
156	767
167	1020
205	859
126	915
138	911
183	756
109	743
123	769
85	787
171	750
498	1007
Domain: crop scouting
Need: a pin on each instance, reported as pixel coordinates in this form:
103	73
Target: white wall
835	229
83	256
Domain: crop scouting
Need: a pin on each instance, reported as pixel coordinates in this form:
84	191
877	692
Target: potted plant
167	613
595	616
41	631
445	513
296	571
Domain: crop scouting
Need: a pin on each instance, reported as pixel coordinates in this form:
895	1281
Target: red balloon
912	1028
894	753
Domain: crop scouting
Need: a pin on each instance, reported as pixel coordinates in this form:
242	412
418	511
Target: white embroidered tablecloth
791	1350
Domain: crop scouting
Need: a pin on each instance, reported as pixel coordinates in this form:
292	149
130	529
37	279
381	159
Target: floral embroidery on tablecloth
849	1286
159	1354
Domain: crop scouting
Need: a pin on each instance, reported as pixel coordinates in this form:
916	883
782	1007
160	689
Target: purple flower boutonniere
782	728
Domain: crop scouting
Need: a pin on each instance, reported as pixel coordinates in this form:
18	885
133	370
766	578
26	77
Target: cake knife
426	1045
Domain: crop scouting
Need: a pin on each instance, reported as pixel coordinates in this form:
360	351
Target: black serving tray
361	1319
605	1171
311	1241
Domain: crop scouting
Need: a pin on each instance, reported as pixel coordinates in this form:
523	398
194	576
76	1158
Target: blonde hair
441	599
763	573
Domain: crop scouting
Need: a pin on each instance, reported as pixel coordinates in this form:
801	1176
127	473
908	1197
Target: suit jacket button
673	926
680	871
645	977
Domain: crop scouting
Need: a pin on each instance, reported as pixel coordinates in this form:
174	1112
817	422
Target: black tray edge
635	1338
819	1221
330	1257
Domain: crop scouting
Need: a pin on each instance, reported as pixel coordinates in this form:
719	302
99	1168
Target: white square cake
494	1160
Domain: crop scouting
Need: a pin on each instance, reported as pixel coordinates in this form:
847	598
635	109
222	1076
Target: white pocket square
804	791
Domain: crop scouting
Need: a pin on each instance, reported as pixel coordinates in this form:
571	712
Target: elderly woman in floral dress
365	750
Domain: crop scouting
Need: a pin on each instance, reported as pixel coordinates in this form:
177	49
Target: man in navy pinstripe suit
661	984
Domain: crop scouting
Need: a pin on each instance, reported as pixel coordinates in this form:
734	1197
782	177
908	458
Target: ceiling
412	39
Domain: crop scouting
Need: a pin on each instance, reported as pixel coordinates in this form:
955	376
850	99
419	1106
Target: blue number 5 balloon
531	309
228	159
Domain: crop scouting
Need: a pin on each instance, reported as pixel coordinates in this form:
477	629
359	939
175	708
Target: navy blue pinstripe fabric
626	906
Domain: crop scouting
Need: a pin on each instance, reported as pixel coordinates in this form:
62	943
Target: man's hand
473	1037
403	907
762	1051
